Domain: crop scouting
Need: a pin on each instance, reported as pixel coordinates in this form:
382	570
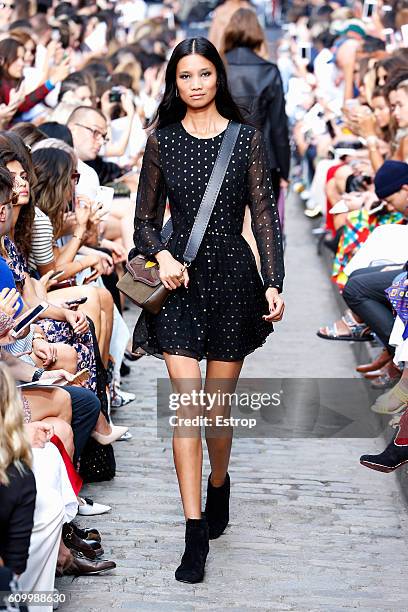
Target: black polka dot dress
219	315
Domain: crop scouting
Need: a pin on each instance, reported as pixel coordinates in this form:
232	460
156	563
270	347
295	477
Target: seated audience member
17	483
11	74
103	431
364	290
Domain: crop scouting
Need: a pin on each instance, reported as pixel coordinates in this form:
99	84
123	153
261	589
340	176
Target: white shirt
88	184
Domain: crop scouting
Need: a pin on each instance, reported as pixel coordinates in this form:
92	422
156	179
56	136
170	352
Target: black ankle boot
389	460
191	568
217	507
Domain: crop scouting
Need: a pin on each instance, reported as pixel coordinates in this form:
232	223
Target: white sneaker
87	507
128	397
122	398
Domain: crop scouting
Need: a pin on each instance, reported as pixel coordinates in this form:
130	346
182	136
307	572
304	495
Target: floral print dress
55	331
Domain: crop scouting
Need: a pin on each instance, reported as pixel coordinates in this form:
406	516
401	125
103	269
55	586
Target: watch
38	336
37	374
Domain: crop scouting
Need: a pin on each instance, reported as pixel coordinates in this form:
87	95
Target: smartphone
81	377
28	318
57	274
76	302
404	34
330	129
389	37
306	51
55	35
115	95
369	8
104	196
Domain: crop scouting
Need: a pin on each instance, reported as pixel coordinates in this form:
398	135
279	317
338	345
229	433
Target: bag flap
141	270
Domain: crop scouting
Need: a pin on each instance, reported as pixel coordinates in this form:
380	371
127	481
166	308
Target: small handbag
97	462
397	295
141	283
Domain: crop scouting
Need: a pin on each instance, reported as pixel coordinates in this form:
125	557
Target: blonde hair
14	445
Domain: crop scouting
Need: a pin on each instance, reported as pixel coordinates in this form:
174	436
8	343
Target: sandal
390	375
382	404
359	332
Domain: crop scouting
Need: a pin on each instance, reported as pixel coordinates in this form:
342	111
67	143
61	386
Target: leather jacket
256	87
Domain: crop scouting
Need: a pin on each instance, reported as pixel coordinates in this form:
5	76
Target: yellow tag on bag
150	264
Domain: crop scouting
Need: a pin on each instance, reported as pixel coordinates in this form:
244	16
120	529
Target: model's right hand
172	273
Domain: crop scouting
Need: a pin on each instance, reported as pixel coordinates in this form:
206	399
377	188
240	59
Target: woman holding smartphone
218	308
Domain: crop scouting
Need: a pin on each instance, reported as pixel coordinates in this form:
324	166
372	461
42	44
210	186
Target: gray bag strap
210	195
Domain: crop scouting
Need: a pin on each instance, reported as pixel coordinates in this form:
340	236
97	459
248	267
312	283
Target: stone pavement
311	530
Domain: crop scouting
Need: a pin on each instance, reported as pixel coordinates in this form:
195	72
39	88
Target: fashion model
218	308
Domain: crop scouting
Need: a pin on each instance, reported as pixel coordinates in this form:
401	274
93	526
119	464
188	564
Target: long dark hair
12	148
8	54
172	108
53	191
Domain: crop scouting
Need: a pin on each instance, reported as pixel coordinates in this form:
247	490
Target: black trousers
85	412
364	294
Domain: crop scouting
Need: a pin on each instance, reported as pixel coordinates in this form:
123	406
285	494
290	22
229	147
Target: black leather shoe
86	533
80	566
217	507
191	568
74	542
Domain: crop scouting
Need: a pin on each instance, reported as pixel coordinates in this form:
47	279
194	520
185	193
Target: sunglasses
13	200
75	176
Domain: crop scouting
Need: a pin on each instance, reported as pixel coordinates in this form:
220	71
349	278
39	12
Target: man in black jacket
256	87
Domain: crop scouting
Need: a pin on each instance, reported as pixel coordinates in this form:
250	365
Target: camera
115	94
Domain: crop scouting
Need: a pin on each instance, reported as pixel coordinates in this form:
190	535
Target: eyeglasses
13	200
95	133
75	176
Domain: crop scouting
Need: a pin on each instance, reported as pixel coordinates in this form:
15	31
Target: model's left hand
276	305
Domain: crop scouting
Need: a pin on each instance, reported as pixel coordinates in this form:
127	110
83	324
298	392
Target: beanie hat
390	178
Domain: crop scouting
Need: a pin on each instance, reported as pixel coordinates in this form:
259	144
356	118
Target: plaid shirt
358	227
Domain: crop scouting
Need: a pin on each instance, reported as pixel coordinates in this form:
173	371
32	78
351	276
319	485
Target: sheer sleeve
264	216
150	202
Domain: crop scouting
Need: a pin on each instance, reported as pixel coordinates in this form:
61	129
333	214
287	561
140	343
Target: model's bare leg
185	377
221	377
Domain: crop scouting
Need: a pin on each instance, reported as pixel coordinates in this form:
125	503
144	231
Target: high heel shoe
396	453
191	568
217	507
114	435
383	358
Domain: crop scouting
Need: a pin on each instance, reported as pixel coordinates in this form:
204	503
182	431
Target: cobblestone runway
311	530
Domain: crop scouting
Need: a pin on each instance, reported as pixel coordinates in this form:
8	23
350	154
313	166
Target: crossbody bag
141	283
